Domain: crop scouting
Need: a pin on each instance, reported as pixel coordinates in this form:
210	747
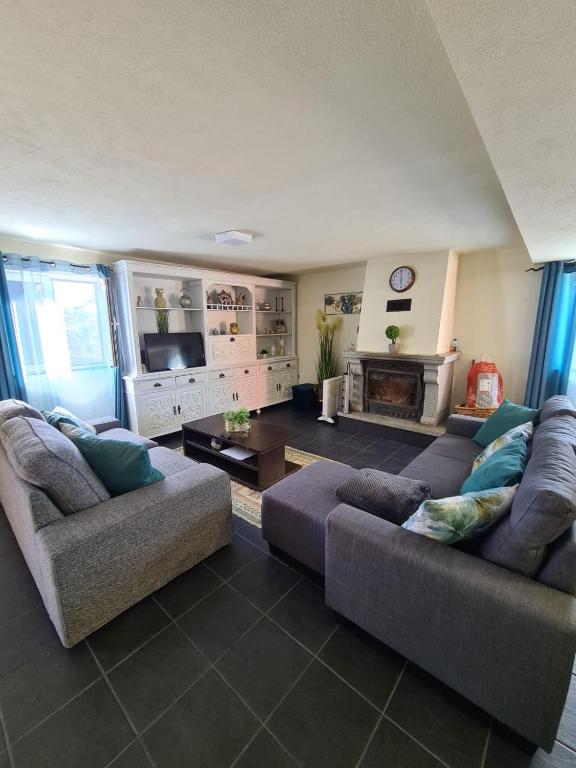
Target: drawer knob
157	384
191	381
246	370
287	365
269	367
222	376
232	338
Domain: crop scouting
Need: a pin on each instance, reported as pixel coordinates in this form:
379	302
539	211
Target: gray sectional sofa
497	621
93	556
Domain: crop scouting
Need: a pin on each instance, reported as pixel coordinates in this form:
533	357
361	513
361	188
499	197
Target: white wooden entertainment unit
236	374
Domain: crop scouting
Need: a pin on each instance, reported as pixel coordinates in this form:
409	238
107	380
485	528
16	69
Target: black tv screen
170	351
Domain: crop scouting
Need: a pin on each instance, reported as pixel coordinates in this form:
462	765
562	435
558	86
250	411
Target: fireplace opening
394	389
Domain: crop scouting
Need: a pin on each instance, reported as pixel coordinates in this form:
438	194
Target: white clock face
401	279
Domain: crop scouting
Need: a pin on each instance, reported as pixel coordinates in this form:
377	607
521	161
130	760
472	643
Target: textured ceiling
516	63
335	131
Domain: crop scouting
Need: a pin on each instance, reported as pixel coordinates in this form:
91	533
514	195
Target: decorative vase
159	301
266	307
234	328
273	350
185	299
232	426
281	347
139	302
393	349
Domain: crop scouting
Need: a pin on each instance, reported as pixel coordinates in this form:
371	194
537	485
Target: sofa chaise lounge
474	619
90	565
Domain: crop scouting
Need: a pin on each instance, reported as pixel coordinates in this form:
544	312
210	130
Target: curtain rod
51	263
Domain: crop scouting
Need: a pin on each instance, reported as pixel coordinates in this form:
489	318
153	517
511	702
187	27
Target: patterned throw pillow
389	496
460	517
523	432
59	415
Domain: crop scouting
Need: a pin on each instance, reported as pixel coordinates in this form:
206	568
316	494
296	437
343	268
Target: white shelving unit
235	373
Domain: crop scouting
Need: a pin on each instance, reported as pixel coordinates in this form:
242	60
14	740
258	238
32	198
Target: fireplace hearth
394	389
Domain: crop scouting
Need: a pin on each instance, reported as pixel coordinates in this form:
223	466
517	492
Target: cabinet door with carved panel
156	412
286	381
191	403
231	349
246	390
269	388
222	397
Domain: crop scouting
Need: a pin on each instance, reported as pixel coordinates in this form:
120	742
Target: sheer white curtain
62	328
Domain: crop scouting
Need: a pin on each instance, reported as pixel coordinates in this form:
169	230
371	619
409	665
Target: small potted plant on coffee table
237	421
392	333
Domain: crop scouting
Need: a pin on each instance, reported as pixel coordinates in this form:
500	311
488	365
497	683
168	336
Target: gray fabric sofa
497	621
92	564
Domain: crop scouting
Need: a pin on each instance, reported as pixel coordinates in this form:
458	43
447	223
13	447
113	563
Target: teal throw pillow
457	518
120	465
59	415
506	416
523	432
503	468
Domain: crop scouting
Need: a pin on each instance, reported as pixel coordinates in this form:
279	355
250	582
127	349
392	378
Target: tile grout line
122	708
381	716
6	739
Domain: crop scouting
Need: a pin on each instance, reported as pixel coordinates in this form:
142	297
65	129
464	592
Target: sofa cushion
295	510
559	405
44	457
170	462
544	507
523	432
506	416
503	468
460	517
445	464
121	465
11	408
60	415
118	433
389	496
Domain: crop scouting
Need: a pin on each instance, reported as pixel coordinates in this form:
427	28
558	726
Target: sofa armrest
465	426
104	423
503	641
103	559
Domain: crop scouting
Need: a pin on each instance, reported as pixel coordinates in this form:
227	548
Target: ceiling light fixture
233	237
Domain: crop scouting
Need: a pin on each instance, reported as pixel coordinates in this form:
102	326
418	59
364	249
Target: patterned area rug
246	502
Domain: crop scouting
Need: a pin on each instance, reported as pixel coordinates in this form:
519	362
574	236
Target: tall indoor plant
326	363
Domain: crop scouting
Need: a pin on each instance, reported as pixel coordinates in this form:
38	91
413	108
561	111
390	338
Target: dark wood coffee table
261	470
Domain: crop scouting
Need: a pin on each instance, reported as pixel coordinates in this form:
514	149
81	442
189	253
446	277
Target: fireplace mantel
438	372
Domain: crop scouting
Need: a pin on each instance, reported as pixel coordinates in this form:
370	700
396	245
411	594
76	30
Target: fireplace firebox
394	388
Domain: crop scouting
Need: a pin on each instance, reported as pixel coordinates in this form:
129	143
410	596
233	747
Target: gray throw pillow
11	408
44	457
389	496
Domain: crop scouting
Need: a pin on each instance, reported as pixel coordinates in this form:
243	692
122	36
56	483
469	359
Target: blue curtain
551	362
60	322
11	374
119	401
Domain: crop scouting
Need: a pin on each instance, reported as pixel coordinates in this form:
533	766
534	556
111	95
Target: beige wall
420	329
496	304
62	252
310	292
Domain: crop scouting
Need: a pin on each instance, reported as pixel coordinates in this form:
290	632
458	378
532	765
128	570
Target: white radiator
331	398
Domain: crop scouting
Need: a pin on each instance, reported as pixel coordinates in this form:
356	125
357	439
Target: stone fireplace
393	388
413	387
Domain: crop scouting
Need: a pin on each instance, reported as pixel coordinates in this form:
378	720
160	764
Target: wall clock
402	279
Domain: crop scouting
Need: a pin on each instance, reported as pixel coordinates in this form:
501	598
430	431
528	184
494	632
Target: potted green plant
392	333
237	421
326	362
162	321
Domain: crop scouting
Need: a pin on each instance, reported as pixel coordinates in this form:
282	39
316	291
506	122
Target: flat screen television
170	351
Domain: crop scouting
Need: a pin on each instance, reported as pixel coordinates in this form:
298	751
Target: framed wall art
343	303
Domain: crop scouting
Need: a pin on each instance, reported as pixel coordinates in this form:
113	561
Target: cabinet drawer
224	375
191	378
154	385
231	349
279	365
249	370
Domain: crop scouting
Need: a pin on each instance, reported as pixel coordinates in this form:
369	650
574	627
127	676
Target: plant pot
232	426
393	349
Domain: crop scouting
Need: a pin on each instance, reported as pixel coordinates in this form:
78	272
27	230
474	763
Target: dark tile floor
236	663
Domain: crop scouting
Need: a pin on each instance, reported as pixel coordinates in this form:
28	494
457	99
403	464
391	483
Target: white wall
310	297
62	252
496	304
420	328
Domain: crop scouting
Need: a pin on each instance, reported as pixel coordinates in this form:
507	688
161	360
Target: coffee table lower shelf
258	472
